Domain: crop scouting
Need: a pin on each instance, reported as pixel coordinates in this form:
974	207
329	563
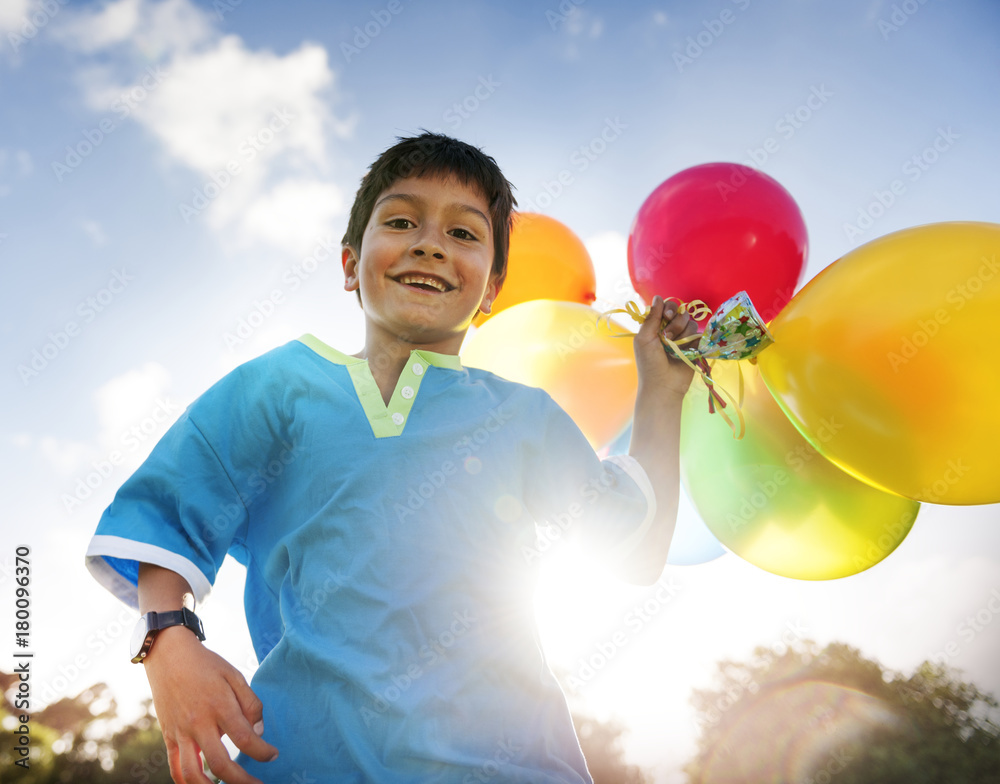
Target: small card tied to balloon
735	331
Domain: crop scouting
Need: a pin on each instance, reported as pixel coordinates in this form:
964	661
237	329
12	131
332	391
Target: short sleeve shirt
389	554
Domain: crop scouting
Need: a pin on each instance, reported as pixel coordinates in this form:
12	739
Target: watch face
139	636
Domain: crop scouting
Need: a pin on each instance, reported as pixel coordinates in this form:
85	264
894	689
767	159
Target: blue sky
299	97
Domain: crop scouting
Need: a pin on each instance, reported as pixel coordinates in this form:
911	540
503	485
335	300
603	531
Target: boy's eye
399	223
464	234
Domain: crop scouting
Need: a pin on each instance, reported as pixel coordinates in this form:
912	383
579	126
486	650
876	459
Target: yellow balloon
775	501
560	347
885	362
546	261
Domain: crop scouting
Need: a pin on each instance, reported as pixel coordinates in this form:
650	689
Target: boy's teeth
432	282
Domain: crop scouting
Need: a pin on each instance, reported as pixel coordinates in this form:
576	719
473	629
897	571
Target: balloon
546	261
715	229
559	347
885	362
772	499
692	542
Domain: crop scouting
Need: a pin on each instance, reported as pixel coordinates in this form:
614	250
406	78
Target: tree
813	716
81	740
601	744
601	741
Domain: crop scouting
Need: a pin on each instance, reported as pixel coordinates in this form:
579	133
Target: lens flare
802	731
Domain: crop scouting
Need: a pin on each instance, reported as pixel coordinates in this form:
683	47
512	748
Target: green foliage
812	715
80	740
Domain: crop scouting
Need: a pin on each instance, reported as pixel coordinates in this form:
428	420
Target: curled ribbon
698	310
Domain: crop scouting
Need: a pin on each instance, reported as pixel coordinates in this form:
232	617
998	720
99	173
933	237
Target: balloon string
698	310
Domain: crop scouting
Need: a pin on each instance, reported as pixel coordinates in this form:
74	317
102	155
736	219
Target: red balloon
716	229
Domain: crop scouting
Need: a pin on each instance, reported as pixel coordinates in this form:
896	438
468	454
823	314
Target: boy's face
425	266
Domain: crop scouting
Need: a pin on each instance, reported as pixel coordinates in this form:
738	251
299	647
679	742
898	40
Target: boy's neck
387	358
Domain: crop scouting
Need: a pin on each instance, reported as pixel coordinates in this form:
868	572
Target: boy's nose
427	244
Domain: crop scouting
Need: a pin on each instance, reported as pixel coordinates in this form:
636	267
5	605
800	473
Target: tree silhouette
601	741
601	744
808	716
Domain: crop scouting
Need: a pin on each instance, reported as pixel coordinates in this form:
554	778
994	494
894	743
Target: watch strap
155	622
183	617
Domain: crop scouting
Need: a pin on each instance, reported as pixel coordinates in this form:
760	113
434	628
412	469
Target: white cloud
153	29
289	214
91	31
212	104
64	456
128	399
174	25
609	252
133	411
13	14
253	124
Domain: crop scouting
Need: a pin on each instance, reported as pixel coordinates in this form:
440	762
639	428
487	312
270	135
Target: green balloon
772	499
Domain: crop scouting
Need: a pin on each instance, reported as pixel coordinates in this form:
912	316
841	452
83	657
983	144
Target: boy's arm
198	695
656	433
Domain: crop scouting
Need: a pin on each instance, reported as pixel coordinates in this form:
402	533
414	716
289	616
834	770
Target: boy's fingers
242	734
173	760
242	726
649	327
188	766
223	766
250	703
678	326
184	761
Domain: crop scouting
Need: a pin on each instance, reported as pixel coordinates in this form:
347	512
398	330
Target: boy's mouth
424	282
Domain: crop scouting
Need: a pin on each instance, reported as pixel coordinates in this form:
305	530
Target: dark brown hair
433	155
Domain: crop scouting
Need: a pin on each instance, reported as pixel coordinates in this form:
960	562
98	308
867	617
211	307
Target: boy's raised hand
199	697
656	432
656	368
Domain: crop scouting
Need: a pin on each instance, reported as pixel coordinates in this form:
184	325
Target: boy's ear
350	261
492	290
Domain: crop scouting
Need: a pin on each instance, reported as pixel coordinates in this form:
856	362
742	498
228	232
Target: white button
406	392
418	369
398	418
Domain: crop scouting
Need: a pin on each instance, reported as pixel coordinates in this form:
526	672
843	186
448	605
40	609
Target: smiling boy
397	640
424	267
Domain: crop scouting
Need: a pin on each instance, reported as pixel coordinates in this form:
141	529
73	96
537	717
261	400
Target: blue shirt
390	555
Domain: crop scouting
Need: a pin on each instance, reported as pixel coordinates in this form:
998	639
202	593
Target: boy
381	502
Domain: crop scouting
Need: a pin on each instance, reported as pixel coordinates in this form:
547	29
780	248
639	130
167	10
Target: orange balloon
560	347
546	261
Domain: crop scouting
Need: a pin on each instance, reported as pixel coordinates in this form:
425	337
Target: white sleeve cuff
130	550
637	473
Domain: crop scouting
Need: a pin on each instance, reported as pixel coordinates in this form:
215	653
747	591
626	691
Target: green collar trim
385	420
447	361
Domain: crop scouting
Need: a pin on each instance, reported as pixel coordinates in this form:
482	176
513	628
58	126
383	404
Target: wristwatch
152	623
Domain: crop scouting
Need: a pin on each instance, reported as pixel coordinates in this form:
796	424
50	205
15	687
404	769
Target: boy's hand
655	366
199	697
656	430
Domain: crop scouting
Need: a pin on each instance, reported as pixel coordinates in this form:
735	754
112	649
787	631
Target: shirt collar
447	361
